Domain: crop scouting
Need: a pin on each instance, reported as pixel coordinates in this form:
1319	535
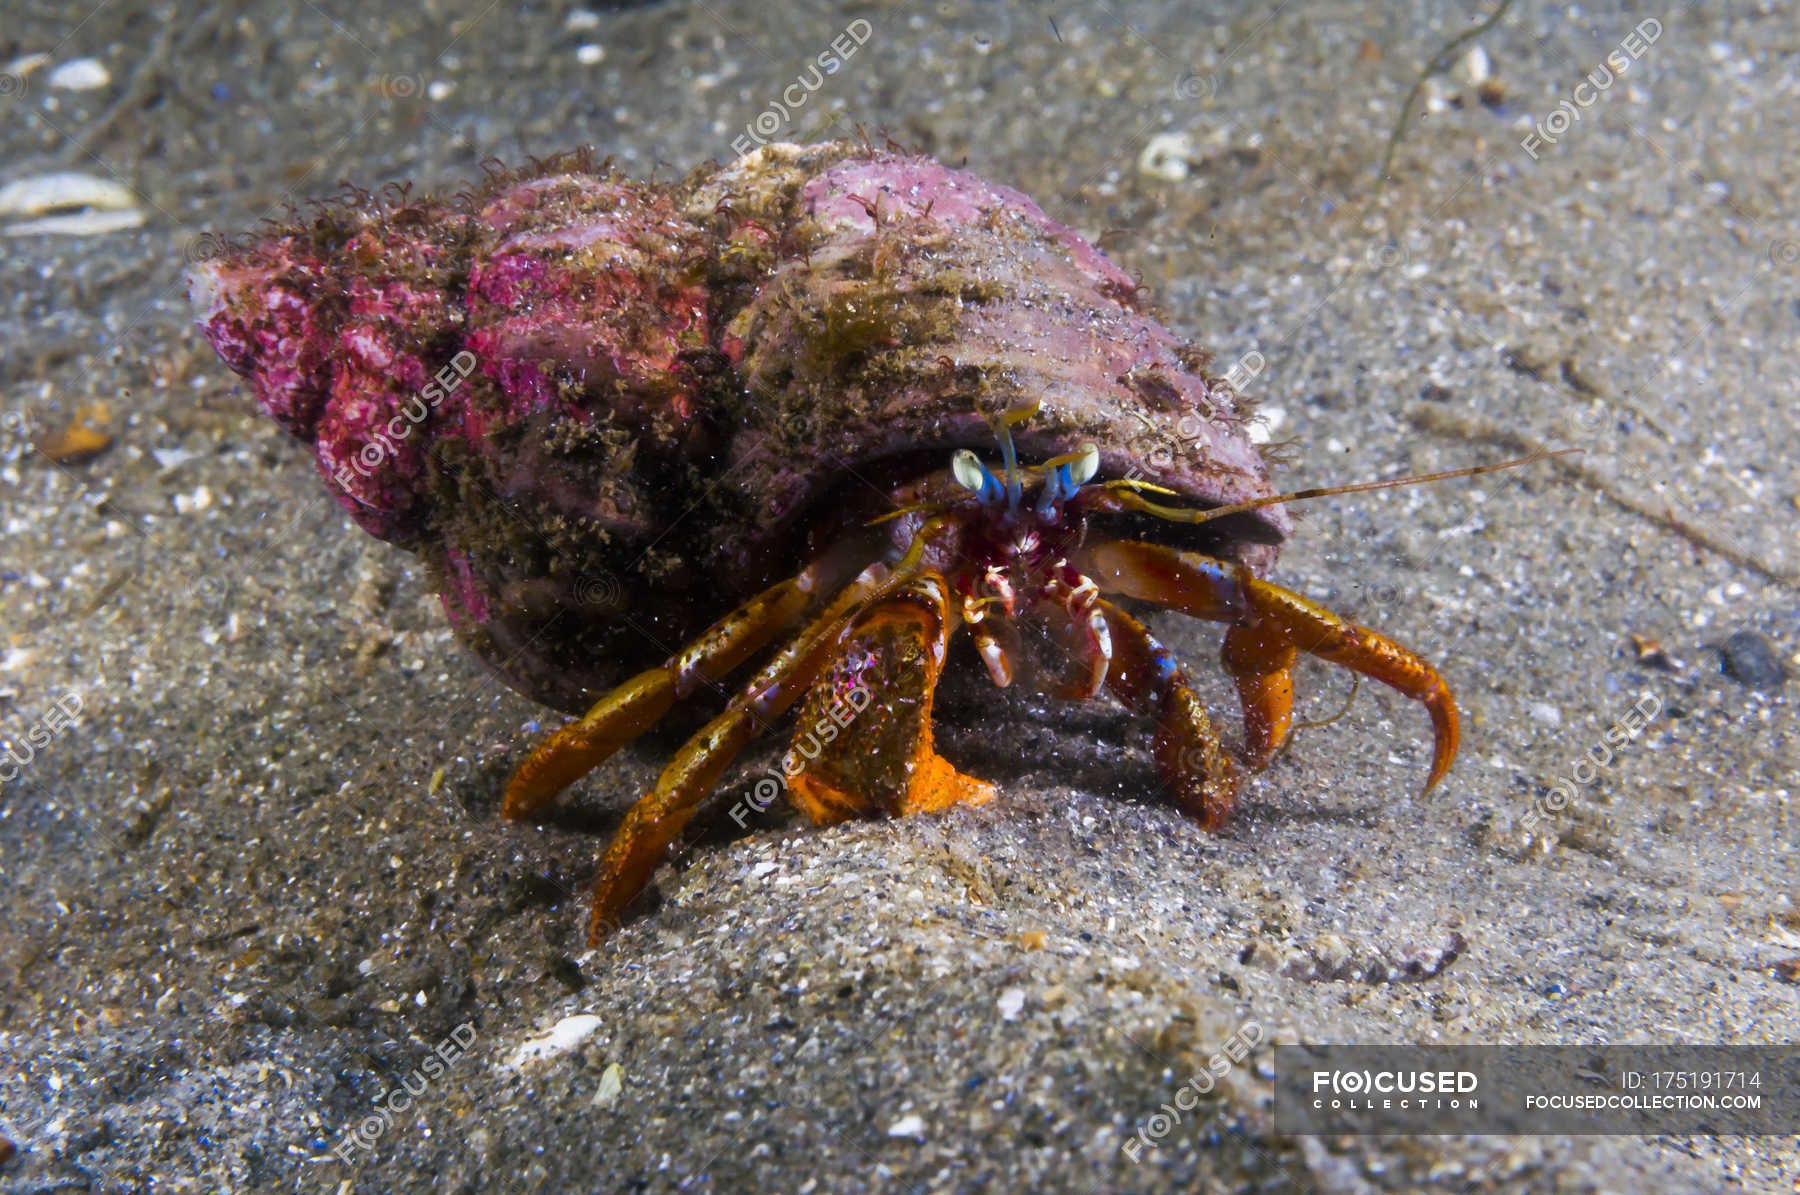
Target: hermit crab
803	417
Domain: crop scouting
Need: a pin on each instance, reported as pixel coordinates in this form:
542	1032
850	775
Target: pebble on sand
1749	659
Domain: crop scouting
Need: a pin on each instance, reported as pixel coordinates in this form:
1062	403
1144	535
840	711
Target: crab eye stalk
975	477
1084	467
1065	475
1057	486
1009	453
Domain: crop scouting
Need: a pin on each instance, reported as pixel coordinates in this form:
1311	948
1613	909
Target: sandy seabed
254	889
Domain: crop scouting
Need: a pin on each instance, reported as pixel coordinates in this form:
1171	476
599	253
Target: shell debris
564	1037
612	1083
80	74
87	434
68	202
1166	156
912	1125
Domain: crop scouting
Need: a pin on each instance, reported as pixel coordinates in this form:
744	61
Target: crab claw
891	659
1271	624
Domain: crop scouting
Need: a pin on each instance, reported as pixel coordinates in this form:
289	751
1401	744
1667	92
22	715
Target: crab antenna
1127	489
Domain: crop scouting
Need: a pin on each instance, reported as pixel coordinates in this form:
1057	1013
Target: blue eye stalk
1065	475
976	477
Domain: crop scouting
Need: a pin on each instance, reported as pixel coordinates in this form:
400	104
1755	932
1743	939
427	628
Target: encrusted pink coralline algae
604	411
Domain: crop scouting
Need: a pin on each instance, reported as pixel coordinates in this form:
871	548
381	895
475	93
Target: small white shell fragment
563	1037
591	54
80	74
24	64
68	203
187	504
1437	95
612	1082
1012	1000
1475	67
1166	156
1546	713
76	224
61	191
908	1126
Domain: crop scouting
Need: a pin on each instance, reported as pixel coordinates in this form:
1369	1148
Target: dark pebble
1750	660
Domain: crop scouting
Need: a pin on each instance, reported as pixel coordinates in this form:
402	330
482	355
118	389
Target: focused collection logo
1416	1090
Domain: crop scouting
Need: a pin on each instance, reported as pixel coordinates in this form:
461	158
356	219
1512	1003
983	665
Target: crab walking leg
1261	663
577	748
1145	678
1224	592
643	838
863	741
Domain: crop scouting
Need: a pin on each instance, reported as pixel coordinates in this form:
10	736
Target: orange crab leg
1145	678
577	748
1261	663
643	838
1226	592
883	761
650	826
